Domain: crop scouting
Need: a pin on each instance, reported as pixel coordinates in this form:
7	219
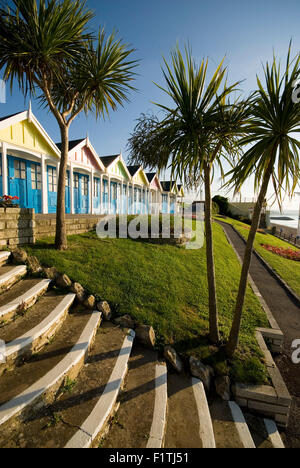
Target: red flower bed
290	254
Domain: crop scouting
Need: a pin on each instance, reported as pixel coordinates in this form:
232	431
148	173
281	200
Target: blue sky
245	32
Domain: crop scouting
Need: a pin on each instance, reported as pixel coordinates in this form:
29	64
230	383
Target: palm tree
45	46
192	138
273	156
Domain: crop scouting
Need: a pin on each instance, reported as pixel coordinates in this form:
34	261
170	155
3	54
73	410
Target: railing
287	236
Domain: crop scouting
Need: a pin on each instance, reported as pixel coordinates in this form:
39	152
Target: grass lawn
289	270
165	286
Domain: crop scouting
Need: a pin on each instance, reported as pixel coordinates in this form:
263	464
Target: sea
280	218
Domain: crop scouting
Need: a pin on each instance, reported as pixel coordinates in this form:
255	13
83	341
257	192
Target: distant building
246	209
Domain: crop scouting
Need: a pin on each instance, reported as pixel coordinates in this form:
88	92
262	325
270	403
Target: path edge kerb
272	321
294	296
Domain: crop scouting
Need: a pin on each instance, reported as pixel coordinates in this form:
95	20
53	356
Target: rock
90	302
125	322
51	273
202	372
63	281
34	265
77	289
222	385
104	307
19	256
171	355
146	335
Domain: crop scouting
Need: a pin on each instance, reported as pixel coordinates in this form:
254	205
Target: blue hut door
119	198
52	189
35	189
139	201
105	196
124	200
96	195
76	194
84	180
130	210
17	180
113	198
68	194
172	206
135	197
165	204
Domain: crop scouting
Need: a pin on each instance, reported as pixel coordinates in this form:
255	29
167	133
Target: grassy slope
289	270
165	286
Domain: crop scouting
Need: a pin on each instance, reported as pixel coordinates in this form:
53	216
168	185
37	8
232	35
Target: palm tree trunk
210	264
235	330
61	233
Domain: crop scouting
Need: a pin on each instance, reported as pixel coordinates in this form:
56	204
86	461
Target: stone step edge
206	432
241	426
27	300
159	422
69	366
96	422
44	330
273	434
12	276
4	257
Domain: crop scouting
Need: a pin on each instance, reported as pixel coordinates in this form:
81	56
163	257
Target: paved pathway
287	315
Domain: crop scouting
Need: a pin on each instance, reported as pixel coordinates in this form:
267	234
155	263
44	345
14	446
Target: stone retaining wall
17	226
272	401
76	224
20	226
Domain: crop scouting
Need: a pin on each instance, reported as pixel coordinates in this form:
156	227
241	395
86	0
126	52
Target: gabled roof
13	119
150	176
108	160
180	190
72	144
167	186
9	116
133	170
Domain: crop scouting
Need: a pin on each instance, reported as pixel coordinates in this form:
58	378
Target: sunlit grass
166	286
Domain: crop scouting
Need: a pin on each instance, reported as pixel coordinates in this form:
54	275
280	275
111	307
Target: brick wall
16	227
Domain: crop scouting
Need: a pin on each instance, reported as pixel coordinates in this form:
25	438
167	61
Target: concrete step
188	408
77	404
27	389
27	335
159	423
264	432
9	275
4	257
94	425
137	398
20	297
230	427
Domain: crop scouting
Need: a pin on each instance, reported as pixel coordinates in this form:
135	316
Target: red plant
290	254
8	198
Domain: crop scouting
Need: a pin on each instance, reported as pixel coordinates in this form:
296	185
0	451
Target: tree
46	46
223	204
193	138
273	156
